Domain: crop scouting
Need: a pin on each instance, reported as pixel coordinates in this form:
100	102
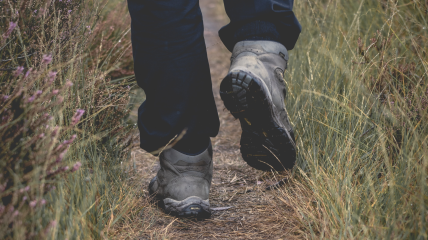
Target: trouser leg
260	20
171	65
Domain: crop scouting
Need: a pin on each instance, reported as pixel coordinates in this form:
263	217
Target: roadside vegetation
358	97
64	100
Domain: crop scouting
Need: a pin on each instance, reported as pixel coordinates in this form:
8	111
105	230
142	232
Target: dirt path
254	213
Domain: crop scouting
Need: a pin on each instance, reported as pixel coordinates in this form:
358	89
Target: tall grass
358	91
64	137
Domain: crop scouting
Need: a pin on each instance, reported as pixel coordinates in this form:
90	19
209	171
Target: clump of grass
358	87
32	156
111	41
61	112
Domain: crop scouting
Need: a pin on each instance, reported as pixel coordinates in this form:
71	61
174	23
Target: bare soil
254	212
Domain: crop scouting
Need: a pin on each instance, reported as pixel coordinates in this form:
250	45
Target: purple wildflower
61	156
42	135
31	99
12	26
43	201
3	186
24	198
52	224
15	213
73	138
76	166
37	94
59	147
66	142
68	83
69	11
47	59
18	71
28	73
52	76
76	118
26	189
55	91
33	203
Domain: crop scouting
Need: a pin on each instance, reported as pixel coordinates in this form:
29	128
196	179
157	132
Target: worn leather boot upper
267	60
254	92
182	176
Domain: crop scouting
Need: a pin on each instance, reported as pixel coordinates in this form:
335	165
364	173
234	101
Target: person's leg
259	35
171	66
260	20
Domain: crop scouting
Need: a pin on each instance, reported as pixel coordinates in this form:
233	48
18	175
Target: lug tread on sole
188	208
264	144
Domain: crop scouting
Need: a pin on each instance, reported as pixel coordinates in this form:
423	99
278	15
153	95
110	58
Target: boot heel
264	144
234	91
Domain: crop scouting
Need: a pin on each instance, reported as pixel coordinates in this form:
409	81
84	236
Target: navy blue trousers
171	63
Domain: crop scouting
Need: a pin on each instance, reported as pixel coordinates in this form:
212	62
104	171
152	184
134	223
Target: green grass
361	121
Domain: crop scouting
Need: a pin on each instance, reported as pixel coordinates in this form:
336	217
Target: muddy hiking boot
182	184
254	92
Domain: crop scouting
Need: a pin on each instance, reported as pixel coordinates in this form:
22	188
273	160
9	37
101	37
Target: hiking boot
183	183
254	92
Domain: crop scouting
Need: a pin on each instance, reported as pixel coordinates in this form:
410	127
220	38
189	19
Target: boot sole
265	144
192	206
